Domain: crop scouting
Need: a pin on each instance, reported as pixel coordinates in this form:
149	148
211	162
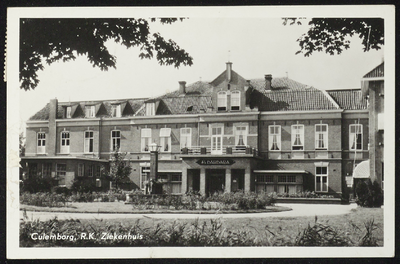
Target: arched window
235	100
222	101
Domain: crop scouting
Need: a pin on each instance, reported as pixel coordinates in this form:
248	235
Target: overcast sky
256	46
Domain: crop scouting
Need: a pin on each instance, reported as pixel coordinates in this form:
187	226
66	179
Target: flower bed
195	201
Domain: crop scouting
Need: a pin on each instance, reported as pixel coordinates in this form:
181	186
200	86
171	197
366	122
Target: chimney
52	136
182	87
268	81
229	71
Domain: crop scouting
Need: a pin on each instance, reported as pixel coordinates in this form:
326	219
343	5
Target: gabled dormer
72	110
151	107
229	91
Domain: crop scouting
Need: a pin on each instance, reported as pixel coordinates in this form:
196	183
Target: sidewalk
297	211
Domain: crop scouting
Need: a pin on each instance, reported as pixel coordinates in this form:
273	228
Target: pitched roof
184	105
296	101
103	108
279	84
378	71
198	88
349	99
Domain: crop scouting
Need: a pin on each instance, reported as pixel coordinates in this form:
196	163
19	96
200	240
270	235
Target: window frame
116	110
271	138
150	109
353	138
222	101
324	138
91	169
322	176
41	148
61	174
165	141
234	99
88	141
301	136
117	139
68	112
90	111
65	142
188	137
144	171
237	134
81	170
46	169
145	140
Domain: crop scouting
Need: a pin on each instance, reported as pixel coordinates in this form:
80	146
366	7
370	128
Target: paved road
297	210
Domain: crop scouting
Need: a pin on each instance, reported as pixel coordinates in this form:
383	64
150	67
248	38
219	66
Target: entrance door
216	140
237	180
193	180
215	181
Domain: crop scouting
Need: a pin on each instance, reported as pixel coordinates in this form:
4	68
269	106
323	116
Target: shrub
83	185
368	194
44	199
37	184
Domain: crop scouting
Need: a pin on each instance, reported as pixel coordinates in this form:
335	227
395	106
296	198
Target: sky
255	45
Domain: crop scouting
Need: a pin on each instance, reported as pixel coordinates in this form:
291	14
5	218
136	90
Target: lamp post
153	147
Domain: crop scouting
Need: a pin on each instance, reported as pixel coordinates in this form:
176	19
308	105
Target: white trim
325	140
351	138
373	79
322	176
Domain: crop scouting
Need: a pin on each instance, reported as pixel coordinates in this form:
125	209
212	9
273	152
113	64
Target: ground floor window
61	172
172	182
144	174
81	169
46	169
269	183
321	179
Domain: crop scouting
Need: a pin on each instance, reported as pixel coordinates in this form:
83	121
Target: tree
331	34
52	40
119	169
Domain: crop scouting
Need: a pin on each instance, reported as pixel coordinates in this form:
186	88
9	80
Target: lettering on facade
215	161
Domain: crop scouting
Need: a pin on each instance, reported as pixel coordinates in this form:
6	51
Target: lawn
279	229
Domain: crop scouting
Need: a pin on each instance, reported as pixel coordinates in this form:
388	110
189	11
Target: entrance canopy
362	170
281	171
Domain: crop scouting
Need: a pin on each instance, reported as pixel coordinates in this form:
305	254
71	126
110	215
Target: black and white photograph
200	132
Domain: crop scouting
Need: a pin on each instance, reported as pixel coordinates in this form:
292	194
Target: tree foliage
119	169
332	34
50	40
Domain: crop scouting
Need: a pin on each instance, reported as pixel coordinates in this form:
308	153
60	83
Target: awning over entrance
362	170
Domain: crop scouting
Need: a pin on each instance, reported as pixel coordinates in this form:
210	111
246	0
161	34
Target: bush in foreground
196	233
369	194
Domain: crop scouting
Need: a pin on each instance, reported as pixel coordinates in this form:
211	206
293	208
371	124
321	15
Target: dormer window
150	109
116	110
68	112
222	101
90	111
235	100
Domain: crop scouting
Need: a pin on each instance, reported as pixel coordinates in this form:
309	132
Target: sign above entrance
215	161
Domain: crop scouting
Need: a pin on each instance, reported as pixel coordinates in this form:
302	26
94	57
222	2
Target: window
46	169
297	137
88	142
41	143
81	170
321	136
65	142
235	100
356	137
98	183
222	101
144	172
240	135
116	110
186	137
68	113
165	139
287	178
274	137
216	138
115	140
91	171
90	111
146	139
321	179
61	171
150	109
33	169
98	171
265	178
